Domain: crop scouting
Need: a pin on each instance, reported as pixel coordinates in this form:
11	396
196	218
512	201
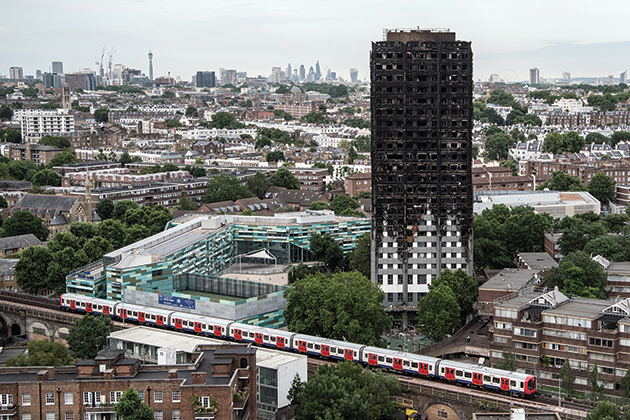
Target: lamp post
149	395
59	403
559	396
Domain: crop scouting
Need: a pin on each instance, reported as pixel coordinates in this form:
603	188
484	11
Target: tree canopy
326	250
345	391
89	335
498	145
342	306
464	286
342	202
22	223
284	178
42	353
101	115
438	312
131	407
225	188
579	275
568	142
258	184
561	181
602	187
360	257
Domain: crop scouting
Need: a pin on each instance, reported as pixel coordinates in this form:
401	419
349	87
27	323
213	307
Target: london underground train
392	360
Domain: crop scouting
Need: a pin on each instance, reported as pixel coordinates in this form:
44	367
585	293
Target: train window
496	380
458	373
252	335
442	370
406	363
381	358
333	350
521	385
317	347
486	378
273	339
340	351
414	365
152	317
430	368
310	345
355	354
467	375
135	313
266	338
513	384
388	360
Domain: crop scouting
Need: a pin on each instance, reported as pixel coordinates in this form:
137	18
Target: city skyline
264	35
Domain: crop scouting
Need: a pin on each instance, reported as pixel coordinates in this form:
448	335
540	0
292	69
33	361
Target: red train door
449	373
106	310
141	316
123	313
259	338
73	304
347	354
397	364
158	320
238	334
372	359
505	384
477	379
280	342
325	350
198	327
217	331
423	368
178	323
88	307
302	346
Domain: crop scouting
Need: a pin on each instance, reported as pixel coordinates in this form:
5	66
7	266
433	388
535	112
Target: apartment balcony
240	399
100	408
8	410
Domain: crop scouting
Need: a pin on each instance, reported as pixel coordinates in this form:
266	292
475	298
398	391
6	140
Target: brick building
544	329
311	179
357	183
88	390
37	153
618	170
297	111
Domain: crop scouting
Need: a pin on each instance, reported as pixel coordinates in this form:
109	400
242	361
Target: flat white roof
272	359
163	339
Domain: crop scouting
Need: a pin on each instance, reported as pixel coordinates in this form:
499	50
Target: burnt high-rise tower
421	83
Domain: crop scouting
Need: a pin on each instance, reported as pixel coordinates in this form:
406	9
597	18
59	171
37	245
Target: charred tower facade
421	82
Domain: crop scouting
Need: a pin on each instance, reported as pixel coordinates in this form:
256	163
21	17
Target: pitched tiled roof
19	241
53	204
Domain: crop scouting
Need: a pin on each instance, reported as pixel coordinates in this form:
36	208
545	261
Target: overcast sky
583	37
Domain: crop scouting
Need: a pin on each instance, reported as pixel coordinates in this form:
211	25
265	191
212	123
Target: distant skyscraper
354	75
422	196
57	67
295	74
38	74
318	71
150	65
623	77
311	75
566	77
289	71
494	78
302	72
534	76
205	78
16	73
222	74
230	78
48	80
242	74
65	97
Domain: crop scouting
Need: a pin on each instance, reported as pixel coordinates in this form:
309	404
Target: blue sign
176	301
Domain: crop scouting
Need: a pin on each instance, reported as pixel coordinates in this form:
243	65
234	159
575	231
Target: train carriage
340	350
214	327
485	377
87	304
260	335
400	361
143	314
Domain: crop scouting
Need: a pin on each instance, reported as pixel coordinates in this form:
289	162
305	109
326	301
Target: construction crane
100	64
110	63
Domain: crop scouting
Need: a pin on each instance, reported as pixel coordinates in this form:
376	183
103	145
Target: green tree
224	119
561	181
352	155
511	165
325	249
22	170
63	262
83	231
605	410
185	203
3	202
10	136
225	188
31	271
579	275
60	159
596	387
284	178
101	115
59	142
319	205
275	156
342	202
624	383
464	286
46	177
136	233
258	184
438	312
314	117
6	113
602	187
191	111
23	222
597	138
364	194
89	335
498	146
42	353
105	208
580	232
121	207
131	407
125	158
567	377
509	362
618	136
345	391
173	123
96	247
342	306
360	257
113	231
611	247
262	142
